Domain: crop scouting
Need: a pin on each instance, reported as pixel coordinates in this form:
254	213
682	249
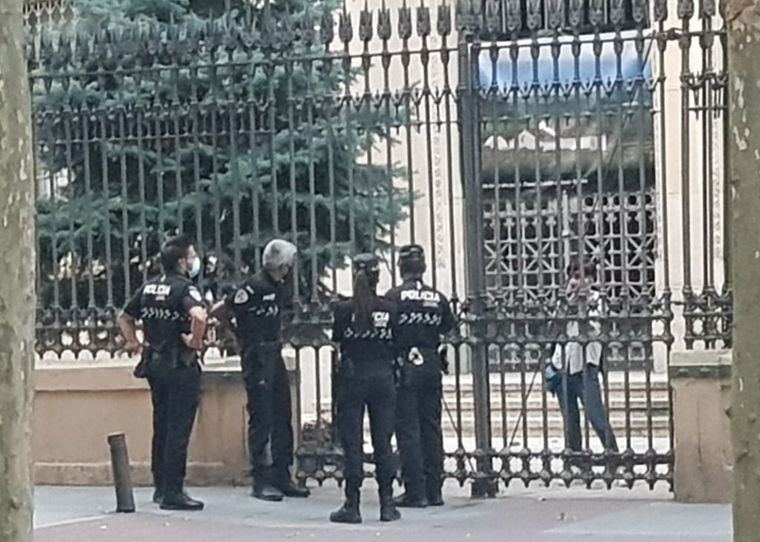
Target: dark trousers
378	394
175	394
584	387
270	430
418	432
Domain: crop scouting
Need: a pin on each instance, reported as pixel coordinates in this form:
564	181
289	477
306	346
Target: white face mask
195	268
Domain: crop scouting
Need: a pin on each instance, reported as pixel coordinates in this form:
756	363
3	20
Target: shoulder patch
241	296
194	293
381	318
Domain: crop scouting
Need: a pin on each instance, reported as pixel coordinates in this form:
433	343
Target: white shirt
574	356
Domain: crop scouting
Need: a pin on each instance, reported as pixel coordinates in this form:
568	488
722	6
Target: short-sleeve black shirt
375	344
163	304
424	314
258	305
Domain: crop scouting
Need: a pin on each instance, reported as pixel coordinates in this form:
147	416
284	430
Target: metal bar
426	92
272	126
333	201
514	90
384	32
294	127
125	253
404	31
535	93
256	110
647	299
685	11
492	95
470	114
444	16
237	192
139	126
158	116
365	34
503	394
458	396
346	35
178	181
196	130
84	116
214	112
105	186
312	182
318	385
71	238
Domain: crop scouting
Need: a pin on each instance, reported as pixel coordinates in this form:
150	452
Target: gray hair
279	252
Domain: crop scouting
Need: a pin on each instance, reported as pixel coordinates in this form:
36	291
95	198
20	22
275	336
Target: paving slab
66	514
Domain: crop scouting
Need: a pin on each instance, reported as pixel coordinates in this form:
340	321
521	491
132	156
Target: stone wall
77	408
701	399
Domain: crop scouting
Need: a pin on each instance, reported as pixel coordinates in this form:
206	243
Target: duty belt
349	367
263	347
268	344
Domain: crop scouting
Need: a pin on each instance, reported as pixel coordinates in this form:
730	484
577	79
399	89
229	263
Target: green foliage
161	120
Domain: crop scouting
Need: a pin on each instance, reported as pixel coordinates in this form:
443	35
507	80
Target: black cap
366	262
410	253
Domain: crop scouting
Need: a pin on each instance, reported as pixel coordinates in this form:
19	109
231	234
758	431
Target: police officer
174	318
424	316
257	307
363	329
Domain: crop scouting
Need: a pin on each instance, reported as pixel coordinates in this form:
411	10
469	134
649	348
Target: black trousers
175	393
377	393
270	429
418	429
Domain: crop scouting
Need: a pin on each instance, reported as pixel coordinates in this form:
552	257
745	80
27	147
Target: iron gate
510	137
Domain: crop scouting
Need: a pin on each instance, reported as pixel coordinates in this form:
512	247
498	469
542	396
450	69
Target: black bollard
122	480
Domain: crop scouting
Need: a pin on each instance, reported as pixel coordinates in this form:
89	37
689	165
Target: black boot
158	495
410	500
284	483
434	496
433	491
264	490
349	512
179	500
388	510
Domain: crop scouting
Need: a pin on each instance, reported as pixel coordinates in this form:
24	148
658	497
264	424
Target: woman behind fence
363	328
575	365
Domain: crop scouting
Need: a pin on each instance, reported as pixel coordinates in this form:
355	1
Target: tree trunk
743	18
17	299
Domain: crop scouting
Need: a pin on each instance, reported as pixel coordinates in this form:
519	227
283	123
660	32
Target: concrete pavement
518	515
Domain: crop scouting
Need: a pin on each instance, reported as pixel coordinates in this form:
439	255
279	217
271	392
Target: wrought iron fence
511	137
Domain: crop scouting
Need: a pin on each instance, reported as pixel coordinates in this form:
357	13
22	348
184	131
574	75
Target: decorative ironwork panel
526	260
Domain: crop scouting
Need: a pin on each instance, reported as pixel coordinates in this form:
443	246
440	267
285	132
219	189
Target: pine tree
163	118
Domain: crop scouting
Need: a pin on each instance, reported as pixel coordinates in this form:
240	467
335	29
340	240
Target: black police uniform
424	315
258	306
173	372
366	378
